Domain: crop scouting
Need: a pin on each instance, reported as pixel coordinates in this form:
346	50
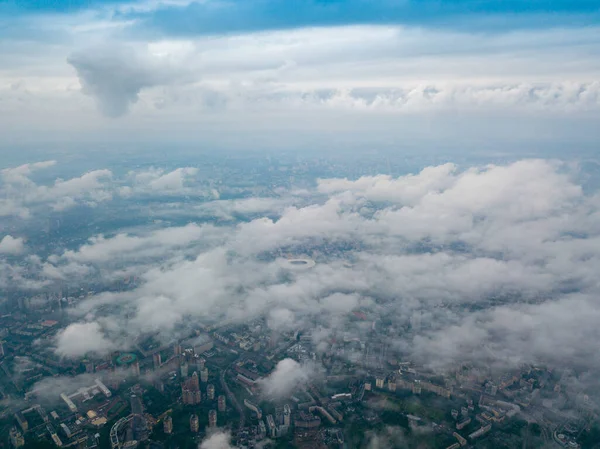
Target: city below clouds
495	263
339	204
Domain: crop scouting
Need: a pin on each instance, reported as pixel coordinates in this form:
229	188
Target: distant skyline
293	74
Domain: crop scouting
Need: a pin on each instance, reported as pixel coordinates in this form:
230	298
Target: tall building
187	397
135	368
89	367
194	424
287	412
271	426
221	403
194	381
262	430
177	350
184	370
252	406
139	425
204	375
156	360
103	388
197	396
212	419
416	387
168	425
272	340
22	421
392	383
1	348
200	362
190	390
210	391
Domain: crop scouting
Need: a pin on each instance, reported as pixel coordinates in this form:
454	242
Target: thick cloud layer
274	69
495	263
433	244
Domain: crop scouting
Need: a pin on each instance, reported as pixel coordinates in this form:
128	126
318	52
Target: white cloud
340	303
287	376
22	275
281	319
303	78
123	246
217	440
157	181
22	194
546	333
11	208
90	184
173	180
405	190
511	241
12	245
79	339
20	174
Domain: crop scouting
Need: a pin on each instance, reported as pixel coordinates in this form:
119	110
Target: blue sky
277	14
172	67
219	16
354	9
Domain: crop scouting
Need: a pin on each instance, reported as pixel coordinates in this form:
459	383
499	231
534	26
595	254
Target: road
231	397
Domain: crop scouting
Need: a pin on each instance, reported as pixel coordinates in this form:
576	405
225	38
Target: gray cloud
307	70
115	75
